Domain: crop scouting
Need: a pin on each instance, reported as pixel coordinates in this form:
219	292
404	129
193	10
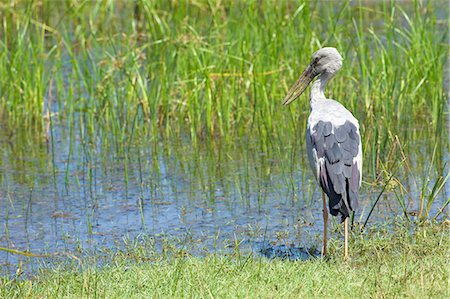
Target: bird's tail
339	204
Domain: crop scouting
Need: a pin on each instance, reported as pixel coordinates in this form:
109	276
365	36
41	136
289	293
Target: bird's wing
337	153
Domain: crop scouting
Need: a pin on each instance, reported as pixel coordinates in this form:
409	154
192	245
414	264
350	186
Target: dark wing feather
339	176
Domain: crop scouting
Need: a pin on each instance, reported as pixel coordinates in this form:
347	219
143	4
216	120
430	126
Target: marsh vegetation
122	119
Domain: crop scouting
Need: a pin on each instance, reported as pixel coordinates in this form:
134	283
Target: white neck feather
318	88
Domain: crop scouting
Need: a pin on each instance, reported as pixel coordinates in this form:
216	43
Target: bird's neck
318	88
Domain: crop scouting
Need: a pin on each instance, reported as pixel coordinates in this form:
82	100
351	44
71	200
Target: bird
333	141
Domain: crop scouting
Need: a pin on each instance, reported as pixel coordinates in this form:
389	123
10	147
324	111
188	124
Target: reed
219	69
110	75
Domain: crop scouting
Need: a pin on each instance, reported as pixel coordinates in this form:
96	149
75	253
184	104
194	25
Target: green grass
112	77
218	69
384	264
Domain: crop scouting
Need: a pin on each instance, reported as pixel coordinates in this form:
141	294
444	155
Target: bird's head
325	61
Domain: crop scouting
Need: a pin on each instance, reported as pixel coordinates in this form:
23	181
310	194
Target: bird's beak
299	87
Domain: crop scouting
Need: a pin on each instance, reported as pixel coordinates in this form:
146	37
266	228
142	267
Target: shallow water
79	198
74	194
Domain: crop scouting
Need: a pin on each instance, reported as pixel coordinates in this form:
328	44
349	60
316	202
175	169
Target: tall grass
112	73
208	68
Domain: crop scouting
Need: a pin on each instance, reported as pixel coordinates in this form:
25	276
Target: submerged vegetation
122	104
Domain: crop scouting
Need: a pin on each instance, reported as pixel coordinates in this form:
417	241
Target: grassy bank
88	87
401	263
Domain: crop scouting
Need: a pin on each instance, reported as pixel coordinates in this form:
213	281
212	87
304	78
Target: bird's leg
346	239
325	223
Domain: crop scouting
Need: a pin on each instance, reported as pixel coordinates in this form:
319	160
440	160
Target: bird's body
334	152
333	141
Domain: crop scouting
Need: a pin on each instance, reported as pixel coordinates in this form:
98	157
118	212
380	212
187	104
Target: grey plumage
337	149
333	142
332	137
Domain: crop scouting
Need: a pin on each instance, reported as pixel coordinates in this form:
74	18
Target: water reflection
80	197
